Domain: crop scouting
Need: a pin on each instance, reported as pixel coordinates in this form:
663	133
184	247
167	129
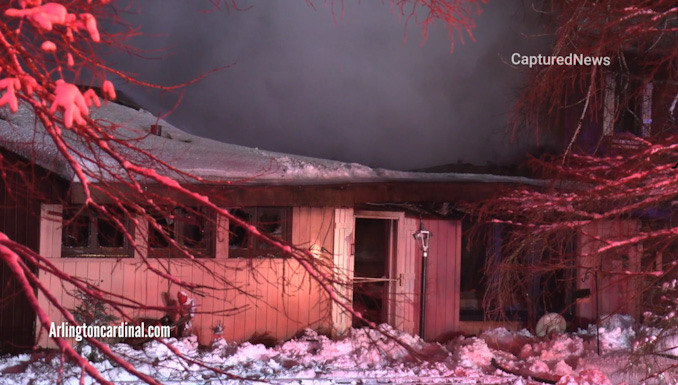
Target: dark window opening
190	228
556	289
540	291
631	117
486	245
90	233
108	234
158	239
631	102
272	221
472	284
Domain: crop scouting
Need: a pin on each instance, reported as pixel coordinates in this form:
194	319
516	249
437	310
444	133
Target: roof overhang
334	195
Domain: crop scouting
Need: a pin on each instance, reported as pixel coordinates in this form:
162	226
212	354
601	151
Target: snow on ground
367	357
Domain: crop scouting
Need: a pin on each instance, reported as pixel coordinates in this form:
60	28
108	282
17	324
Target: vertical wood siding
274	296
611	290
443	277
407	303
20	191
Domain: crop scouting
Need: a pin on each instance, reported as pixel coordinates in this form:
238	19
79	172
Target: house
637	95
359	221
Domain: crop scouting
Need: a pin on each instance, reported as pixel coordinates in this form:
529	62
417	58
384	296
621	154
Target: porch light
422	237
316	250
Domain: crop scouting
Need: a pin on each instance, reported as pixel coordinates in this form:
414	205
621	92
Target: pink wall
442	292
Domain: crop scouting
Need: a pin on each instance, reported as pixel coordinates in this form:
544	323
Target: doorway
375	249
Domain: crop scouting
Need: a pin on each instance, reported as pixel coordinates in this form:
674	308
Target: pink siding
277	295
407	293
267	308
443	275
614	291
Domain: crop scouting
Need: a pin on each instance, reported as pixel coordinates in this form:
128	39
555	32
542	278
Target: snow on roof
205	158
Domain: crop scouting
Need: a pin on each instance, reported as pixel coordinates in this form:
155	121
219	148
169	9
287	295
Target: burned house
360	221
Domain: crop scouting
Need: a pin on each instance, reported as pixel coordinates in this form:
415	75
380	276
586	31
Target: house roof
175	152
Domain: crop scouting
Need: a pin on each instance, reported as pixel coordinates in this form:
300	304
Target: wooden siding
22	186
407	308
274	296
18	222
443	277
614	291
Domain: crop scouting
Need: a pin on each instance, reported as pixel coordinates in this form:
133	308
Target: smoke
353	90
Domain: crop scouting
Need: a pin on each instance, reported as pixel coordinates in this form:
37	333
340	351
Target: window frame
257	248
93	248
208	236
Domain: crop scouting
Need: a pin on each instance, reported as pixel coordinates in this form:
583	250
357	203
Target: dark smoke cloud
351	90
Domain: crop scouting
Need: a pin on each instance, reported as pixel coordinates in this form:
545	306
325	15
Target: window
628	106
273	221
472	285
90	233
189	227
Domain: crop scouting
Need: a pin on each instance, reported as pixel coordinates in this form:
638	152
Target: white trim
610	104
51	218
646	129
221	237
401	265
344	262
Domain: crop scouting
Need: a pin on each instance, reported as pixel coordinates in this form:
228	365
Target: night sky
353	90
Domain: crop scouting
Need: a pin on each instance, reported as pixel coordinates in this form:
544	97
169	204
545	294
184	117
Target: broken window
190	228
90	233
272	221
627	106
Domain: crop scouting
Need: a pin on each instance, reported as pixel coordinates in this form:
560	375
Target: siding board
284	298
442	291
616	293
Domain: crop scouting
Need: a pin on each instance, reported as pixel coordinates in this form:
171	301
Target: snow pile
558	356
586	377
616	333
475	354
368	356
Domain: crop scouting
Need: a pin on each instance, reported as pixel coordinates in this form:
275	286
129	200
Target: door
398	304
384	274
373	274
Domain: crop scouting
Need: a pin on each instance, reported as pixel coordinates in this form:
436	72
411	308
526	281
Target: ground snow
368	356
586	377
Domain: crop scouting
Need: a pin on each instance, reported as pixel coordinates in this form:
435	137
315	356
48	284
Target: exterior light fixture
316	250
423	237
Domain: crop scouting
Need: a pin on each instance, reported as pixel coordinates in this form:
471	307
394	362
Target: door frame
403	313
396	254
